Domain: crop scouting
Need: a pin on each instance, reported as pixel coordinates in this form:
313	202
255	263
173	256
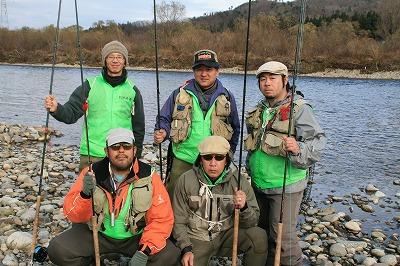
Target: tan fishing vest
140	201
267	135
183	114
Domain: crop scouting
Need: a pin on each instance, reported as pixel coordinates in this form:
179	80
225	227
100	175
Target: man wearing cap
204	203
132	208
111	100
199	108
267	145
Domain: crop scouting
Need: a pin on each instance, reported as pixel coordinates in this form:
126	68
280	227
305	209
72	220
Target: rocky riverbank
327	237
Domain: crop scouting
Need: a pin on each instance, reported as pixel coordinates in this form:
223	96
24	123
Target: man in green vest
267	145
199	108
110	100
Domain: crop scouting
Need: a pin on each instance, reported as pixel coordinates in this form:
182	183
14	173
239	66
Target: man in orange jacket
132	208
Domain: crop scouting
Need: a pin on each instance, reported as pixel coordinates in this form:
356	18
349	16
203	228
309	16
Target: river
360	118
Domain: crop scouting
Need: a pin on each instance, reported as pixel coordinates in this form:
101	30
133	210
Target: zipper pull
112	218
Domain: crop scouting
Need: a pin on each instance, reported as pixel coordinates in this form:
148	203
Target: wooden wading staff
46	130
158	87
237	210
296	70
85	108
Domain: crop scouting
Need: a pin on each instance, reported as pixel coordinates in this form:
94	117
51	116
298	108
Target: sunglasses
117	146
210	157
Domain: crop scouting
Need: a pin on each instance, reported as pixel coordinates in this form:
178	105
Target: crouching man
132	208
204	202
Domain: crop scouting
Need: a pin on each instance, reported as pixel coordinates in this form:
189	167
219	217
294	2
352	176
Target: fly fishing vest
267	126
131	218
109	107
189	125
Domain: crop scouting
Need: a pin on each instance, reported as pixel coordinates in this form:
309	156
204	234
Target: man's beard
119	167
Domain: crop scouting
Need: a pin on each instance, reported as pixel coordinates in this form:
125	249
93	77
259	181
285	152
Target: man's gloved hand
88	184
138	259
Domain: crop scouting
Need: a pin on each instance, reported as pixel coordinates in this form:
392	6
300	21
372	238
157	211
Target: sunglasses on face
117	146
209	157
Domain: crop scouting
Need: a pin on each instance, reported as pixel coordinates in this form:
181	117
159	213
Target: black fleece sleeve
72	110
138	126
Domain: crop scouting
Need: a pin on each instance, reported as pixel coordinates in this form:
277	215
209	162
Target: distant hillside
218	21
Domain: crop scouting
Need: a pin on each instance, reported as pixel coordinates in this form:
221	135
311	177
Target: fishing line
39	254
237	210
158	85
85	108
287	160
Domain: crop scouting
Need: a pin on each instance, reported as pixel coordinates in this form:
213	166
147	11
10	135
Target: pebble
327	237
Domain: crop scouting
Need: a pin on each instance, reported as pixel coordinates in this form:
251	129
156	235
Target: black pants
75	247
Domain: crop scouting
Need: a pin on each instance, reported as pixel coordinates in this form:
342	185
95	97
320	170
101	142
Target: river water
360	117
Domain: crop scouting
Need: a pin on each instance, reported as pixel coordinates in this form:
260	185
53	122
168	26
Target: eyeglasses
112	58
117	146
209	157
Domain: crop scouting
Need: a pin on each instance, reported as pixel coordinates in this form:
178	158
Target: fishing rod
296	70
38	253
85	108
237	210
158	85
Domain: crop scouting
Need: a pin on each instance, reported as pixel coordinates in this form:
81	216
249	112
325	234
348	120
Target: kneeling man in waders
204	205
132	209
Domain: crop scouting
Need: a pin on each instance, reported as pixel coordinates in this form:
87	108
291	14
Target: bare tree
170	12
170	16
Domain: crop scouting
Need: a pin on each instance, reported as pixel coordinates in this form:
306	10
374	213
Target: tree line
370	41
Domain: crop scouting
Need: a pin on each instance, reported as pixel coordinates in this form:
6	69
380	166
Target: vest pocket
253	117
141	201
273	145
220	128
179	130
250	143
222	106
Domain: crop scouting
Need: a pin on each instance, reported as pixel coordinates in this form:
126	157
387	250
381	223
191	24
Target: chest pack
266	133
183	114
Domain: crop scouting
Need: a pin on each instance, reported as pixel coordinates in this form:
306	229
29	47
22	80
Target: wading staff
84	108
158	85
237	210
299	45
46	130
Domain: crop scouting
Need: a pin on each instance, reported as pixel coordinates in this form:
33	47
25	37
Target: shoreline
327	235
328	73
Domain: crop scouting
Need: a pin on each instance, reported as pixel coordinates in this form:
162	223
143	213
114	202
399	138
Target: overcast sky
42	13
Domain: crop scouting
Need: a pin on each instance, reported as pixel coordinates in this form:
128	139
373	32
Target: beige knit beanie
114	47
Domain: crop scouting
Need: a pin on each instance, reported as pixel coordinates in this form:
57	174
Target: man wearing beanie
199	108
112	100
204	203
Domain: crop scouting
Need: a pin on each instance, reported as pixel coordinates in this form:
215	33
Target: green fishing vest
108	107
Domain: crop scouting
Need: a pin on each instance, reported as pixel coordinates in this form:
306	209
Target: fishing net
307	192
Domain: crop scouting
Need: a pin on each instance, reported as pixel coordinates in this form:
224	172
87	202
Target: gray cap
205	57
273	67
117	135
214	145
114	47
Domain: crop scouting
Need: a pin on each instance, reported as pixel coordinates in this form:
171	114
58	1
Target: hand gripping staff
287	161
237	210
158	85
39	254
84	108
